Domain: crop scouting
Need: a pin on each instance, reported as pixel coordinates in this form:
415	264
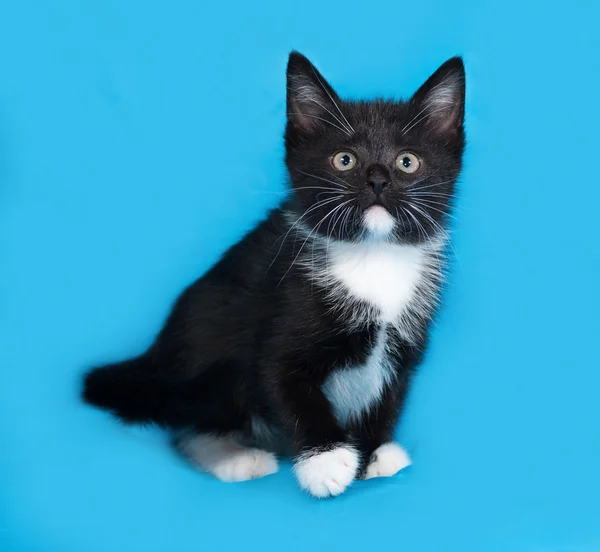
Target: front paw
324	474
386	461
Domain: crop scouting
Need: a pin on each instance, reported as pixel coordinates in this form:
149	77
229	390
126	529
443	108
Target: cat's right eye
343	161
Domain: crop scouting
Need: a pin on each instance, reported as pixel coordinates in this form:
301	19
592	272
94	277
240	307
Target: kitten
303	338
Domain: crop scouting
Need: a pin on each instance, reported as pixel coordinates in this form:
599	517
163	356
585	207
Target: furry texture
303	337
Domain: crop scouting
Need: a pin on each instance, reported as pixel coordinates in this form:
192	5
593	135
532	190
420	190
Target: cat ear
311	102
442	98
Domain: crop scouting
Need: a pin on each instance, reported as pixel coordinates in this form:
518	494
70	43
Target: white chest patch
391	285
354	389
380	280
384	275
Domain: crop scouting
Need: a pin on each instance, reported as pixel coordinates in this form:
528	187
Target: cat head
374	169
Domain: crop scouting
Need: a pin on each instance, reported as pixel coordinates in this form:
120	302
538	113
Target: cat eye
408	162
343	161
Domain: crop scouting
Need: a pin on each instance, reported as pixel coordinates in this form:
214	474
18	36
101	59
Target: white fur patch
378	220
386	461
226	459
384	275
327	473
375	281
354	389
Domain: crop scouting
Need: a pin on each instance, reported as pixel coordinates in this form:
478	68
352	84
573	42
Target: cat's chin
378	220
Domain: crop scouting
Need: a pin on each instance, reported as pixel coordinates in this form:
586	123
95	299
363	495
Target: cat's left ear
442	98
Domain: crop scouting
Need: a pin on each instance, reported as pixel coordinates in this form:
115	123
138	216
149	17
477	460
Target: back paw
225	459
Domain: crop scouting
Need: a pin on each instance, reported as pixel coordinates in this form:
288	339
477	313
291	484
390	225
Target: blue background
139	139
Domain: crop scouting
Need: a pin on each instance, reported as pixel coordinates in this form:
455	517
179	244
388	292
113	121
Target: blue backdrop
139	139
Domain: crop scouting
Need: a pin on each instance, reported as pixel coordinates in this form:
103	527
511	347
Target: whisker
419	225
409	122
309	235
332	100
346	220
445	213
341	180
349	130
321	119
412	186
327	241
300	91
425	117
346	186
442	231
291	190
443	200
338	218
308	211
399	216
313	188
429	194
334	192
425	108
428	217
316	205
423	198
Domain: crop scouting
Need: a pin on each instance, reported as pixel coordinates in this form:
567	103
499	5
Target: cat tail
135	393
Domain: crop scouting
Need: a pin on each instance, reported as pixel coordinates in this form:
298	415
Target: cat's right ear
311	102
442	99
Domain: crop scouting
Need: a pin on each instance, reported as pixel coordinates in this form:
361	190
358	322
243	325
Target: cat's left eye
408	162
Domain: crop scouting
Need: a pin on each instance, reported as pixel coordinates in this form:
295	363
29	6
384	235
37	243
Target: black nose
378	178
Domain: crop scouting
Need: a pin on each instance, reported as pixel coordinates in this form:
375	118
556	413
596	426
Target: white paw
386	461
244	465
226	459
327	473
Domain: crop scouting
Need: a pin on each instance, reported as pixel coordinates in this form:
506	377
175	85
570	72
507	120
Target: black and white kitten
303	338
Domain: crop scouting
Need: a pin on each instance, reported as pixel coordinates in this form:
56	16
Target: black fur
256	337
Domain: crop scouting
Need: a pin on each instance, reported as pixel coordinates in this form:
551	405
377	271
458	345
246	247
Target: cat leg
325	463
380	456
223	457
